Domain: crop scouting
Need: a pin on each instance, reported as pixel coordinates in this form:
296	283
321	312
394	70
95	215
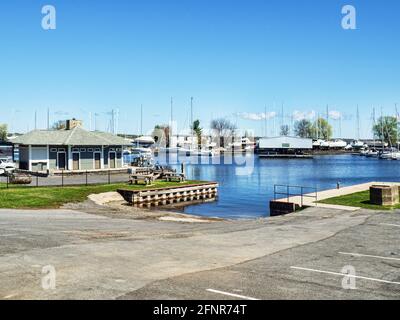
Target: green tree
322	129
198	131
386	129
285	130
303	128
3	132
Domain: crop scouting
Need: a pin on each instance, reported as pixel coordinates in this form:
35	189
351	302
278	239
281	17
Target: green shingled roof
74	137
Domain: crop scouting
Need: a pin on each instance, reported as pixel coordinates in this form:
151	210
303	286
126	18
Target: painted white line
391	225
231	294
344	275
368	256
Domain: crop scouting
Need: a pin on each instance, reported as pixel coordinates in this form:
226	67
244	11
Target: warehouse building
284	145
72	149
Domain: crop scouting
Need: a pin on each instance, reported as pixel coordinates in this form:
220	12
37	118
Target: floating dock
170	195
286	156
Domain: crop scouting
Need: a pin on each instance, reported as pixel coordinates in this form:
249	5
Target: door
112	160
75	161
61	161
97	161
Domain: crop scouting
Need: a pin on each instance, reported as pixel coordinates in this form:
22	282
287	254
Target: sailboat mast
358	123
141	119
265	122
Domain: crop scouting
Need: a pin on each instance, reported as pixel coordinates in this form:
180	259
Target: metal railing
286	190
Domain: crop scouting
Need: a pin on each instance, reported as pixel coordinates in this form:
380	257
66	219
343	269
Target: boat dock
170	195
286	156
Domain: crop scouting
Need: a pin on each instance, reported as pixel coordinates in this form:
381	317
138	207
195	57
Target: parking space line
390	224
344	275
231	294
368	256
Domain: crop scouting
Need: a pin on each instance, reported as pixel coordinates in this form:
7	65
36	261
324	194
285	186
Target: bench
146	178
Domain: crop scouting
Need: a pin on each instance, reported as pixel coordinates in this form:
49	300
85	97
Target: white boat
357	144
318	143
396	155
337	144
372	153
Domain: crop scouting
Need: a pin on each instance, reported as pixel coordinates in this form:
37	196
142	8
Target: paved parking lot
299	256
313	271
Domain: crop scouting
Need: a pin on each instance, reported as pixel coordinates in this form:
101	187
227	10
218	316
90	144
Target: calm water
248	196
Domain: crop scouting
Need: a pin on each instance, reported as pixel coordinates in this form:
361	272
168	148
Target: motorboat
337	144
372	153
317	143
357	144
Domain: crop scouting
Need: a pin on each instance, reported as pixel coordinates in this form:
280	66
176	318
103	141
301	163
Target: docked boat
372	154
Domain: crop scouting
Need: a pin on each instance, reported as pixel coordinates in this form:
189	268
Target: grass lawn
358	199
22	197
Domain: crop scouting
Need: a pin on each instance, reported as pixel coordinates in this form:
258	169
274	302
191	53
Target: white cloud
256	116
335	115
301	115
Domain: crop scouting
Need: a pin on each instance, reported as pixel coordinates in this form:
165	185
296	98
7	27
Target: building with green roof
72	149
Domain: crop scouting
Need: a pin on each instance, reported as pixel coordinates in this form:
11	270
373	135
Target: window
53	150
61	150
90	150
83	149
97	150
75	149
118	149
112	149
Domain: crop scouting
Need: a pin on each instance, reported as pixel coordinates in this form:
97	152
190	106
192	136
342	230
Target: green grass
23	197
358	199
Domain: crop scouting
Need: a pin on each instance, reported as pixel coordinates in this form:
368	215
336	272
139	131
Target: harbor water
246	193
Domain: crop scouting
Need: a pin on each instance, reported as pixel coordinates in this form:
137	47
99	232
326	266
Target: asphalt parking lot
299	256
368	253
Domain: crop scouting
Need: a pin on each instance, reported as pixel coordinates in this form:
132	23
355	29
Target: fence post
37	180
301	196
86	178
109	178
7	179
62	178
288	191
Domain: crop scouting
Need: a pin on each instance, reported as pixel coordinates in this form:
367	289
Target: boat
372	153
337	144
357	144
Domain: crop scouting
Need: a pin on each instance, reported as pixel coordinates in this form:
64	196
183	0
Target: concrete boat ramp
309	199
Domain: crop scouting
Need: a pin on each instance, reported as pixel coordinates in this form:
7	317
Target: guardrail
287	192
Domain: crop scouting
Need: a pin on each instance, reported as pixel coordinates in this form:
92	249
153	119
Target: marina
248	196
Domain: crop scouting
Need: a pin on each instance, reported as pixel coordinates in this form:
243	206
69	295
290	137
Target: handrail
288	194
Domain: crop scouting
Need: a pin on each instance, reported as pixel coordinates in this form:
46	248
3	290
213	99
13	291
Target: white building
284	144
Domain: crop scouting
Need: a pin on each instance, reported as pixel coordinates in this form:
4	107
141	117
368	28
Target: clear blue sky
232	56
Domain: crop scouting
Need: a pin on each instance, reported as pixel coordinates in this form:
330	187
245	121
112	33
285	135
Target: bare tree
224	129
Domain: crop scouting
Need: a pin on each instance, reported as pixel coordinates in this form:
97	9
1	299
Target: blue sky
235	57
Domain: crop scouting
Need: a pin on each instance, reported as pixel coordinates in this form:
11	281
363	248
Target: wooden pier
285	156
170	195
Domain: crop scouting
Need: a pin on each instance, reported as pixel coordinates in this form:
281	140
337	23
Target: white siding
285	143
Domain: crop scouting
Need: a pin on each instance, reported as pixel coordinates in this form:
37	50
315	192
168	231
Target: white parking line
231	294
391	225
344	275
368	256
